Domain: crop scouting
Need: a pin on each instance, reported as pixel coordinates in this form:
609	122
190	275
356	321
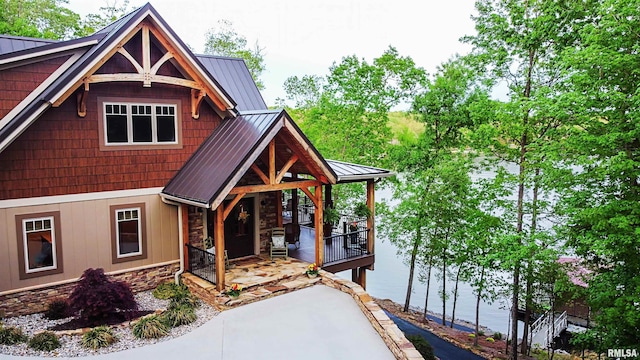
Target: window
39	246
128	233
139	124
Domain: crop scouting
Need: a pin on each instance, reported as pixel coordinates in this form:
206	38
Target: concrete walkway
312	324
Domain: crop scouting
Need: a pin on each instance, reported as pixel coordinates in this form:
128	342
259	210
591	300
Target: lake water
390	278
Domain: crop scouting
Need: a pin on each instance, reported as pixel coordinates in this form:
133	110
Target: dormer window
137	124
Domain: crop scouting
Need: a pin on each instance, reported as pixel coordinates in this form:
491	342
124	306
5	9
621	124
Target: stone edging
395	340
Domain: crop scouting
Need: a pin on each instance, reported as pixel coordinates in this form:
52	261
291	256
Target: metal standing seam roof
348	172
235	78
203	177
10	43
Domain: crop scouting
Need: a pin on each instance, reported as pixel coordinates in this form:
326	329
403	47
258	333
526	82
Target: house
123	149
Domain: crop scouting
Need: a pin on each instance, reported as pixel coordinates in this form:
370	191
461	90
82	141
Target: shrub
423	347
99	337
57	309
490	339
168	289
96	297
150	327
497	336
480	332
11	335
472	335
180	315
44	341
183	297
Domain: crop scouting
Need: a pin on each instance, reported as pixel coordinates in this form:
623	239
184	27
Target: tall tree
602	198
48	19
519	43
109	13
223	40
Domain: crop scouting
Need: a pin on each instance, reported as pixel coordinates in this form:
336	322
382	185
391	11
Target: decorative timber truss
147	71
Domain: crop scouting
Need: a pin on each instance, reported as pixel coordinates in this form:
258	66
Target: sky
302	37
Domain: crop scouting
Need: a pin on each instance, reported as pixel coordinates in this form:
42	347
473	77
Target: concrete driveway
313	323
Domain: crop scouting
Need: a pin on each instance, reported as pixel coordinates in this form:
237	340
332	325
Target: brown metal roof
348	172
235	78
225	156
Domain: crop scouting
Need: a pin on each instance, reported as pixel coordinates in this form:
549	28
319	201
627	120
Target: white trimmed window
128	232
39	246
140	123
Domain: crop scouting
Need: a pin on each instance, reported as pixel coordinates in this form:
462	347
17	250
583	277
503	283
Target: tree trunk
455	298
412	266
527	310
426	299
475	340
444	285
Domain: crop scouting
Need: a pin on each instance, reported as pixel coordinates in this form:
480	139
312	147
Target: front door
239	229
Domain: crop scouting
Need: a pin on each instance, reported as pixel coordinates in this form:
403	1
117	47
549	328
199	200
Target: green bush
490	339
183	297
57	309
168	289
99	337
44	341
151	327
423	347
497	336
11	335
480	332
181	315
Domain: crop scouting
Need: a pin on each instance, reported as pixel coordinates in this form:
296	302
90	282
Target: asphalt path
441	348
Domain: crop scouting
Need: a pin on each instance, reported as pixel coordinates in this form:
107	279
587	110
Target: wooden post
318	223
371	220
279	207
219	242
294	202
328	199
354	275
362	277
185	232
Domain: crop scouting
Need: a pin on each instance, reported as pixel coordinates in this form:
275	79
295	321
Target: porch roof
228	153
348	172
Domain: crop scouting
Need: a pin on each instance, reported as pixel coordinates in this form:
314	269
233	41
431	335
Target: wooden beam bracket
81	100
197	95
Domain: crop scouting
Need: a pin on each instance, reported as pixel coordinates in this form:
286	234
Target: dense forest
568	116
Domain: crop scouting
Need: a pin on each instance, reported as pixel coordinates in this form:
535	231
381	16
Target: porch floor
259	277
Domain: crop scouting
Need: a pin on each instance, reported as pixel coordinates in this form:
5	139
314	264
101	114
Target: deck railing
346	246
201	263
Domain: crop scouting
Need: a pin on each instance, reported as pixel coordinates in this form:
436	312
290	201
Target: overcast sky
302	37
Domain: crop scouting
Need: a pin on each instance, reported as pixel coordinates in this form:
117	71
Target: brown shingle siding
60	154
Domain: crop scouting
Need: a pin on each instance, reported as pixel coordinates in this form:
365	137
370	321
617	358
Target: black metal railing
347	245
201	263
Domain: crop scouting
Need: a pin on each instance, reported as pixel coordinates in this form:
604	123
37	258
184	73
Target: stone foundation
36	300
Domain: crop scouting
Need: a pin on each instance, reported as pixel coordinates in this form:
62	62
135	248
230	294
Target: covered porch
230	197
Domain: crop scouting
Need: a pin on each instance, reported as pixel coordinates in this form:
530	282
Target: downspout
180	238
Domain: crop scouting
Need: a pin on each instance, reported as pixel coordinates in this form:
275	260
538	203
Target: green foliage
108	14
44	341
168	290
424	348
98	337
497	336
151	327
225	41
179	315
183	296
362	210
331	215
48	19
490	339
11	335
57	309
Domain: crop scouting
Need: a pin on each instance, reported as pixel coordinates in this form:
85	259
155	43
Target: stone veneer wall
196	226
36	300
392	336
268	218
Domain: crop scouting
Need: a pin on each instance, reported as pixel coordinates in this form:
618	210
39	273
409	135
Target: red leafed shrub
97	298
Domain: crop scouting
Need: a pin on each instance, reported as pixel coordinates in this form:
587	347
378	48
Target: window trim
102	128
116	257
24	272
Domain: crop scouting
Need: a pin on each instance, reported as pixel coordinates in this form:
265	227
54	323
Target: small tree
96	297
